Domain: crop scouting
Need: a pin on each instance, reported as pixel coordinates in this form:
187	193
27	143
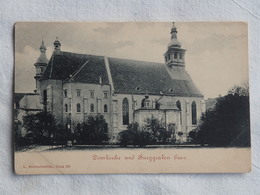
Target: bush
153	132
93	131
40	127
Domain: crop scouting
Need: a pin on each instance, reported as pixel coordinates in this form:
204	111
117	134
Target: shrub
153	132
40	126
94	130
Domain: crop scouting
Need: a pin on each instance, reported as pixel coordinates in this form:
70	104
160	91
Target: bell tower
40	65
175	55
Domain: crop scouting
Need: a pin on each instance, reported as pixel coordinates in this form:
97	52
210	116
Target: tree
153	132
94	130
159	132
40	126
61	134
134	135
227	124
155	128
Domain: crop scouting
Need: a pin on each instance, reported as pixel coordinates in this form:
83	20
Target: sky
216	56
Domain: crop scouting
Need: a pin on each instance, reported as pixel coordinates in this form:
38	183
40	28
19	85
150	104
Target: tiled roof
72	67
139	77
128	76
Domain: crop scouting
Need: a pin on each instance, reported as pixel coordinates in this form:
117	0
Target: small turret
40	65
57	45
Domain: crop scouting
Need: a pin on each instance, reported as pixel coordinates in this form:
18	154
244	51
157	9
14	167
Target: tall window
178	104
66	107
125	109
78	92
92	94
105	108
65	93
44	96
175	55
91	107
194	113
105	95
45	100
78	107
142	103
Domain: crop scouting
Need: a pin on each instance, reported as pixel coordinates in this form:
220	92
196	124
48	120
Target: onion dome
174	41
42	58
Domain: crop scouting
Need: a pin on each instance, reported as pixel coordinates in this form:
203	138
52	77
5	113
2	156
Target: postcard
131	97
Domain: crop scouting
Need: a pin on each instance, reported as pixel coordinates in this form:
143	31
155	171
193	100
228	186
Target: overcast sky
216	56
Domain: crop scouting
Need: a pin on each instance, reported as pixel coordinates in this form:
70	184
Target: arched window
178	104
105	108
78	107
125	109
142	103
194	113
45	100
91	107
66	107
44	96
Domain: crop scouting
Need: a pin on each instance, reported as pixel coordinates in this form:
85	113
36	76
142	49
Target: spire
42	47
174	32
174	41
57	45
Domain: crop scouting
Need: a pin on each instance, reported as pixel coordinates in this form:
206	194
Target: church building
73	86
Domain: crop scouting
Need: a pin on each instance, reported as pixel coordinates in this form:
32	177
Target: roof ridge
135	60
51	65
111	57
67	52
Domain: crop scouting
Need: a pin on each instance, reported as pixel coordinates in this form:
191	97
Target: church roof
128	76
68	67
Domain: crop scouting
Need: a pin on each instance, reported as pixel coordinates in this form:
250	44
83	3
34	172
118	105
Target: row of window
92	108
193	112
78	94
175	56
125	110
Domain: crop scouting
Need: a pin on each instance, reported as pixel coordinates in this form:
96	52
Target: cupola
174	56
57	45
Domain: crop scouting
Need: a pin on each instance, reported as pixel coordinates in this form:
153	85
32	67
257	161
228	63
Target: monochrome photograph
154	97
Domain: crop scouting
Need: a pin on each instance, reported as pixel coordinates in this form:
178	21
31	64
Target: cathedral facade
73	86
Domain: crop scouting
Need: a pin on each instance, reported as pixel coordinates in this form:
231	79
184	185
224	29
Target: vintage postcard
98	98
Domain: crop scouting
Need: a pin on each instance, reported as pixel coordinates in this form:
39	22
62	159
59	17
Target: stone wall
54	97
84	99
